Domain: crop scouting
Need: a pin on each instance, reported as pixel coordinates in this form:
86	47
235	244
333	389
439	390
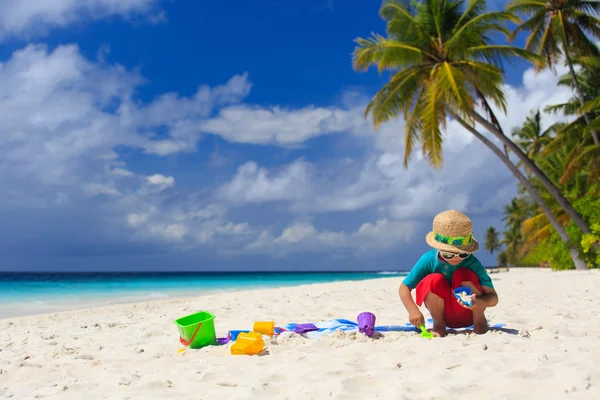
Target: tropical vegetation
446	58
492	241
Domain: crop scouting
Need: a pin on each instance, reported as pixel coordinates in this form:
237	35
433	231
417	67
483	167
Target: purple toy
366	323
223	340
303	328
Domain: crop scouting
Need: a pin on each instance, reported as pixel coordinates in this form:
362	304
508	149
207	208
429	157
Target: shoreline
94	303
551	347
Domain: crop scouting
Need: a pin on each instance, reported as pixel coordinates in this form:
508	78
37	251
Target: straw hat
452	231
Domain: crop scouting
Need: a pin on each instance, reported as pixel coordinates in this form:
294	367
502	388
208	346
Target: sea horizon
30	292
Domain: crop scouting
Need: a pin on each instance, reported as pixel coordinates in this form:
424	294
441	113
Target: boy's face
453	258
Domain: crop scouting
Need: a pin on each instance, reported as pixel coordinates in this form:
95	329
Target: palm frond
579	42
474	8
589	106
413	126
588	7
535	24
401	22
456	91
469	34
494	53
385	53
526	6
588	23
396	95
433	118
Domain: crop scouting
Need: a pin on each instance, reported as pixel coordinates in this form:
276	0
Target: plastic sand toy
233	334
463	293
248	343
425	333
197	330
223	340
366	323
264	327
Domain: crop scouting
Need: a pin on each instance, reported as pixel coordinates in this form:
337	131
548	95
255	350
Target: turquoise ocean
33	293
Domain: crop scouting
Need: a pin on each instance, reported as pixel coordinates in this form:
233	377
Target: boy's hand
473	305
416	318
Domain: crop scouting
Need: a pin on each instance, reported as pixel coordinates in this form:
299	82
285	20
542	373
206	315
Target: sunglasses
450	256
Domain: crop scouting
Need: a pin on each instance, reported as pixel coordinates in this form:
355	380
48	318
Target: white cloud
303	237
60	135
293	127
472	179
27	18
94	189
252	184
182	116
187	223
284	127
68	116
122	172
161	180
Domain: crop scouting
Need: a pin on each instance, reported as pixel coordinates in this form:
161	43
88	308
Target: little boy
450	264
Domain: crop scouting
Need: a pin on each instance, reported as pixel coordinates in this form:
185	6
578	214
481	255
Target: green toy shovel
425	334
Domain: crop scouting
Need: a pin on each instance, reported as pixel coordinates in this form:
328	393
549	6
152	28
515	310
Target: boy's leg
433	290
466	277
435	305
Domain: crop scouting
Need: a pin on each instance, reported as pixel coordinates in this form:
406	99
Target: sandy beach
550	347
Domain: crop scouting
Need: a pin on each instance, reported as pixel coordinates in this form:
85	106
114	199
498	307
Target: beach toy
248	343
234	334
425	333
303	328
264	327
223	340
463	293
366	323
197	330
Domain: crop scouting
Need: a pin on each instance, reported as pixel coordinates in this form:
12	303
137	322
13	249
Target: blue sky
151	134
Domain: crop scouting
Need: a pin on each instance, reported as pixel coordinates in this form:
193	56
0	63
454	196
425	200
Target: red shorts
455	315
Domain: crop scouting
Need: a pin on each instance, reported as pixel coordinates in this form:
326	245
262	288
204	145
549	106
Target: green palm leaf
395	95
385	53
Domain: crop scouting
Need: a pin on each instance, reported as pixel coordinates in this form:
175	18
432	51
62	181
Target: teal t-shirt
430	263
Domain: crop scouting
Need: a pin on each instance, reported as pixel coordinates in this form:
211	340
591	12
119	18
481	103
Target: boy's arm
423	266
489	297
415	316
406	298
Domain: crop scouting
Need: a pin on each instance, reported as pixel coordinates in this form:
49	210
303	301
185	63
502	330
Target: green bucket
197	330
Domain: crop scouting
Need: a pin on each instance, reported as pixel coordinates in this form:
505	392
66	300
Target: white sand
130	351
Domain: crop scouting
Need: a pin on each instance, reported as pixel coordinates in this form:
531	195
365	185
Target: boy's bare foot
438	330
479	321
481	328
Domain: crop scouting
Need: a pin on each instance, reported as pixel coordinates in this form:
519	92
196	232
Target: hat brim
471	248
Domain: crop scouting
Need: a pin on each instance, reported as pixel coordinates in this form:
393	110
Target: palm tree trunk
531	166
562	233
579	92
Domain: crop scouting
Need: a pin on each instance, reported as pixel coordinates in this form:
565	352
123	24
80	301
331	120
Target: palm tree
513	240
532	138
558	29
567	161
502	259
588	78
444	67
515	214
492	243
561	160
584	155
